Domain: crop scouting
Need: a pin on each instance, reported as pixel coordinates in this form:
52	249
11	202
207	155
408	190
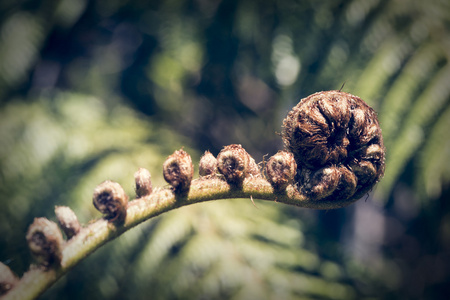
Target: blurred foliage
93	90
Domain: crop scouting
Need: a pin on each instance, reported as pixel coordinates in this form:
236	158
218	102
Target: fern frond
434	98
400	97
434	173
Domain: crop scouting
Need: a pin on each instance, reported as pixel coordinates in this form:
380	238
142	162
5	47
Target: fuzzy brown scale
336	141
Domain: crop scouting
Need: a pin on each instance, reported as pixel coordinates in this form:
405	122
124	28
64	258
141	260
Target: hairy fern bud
7	279
207	165
110	199
143	182
178	171
68	221
336	141
45	241
281	169
235	164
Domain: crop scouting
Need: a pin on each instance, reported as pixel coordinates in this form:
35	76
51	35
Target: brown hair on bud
7	279
68	221
321	183
336	141
207	165
253	168
110	199
281	169
235	164
178	171
347	184
143	182
45	241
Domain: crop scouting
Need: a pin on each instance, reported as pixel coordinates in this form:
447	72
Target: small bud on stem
207	165
281	169
110	199
68	221
235	164
45	241
178	171
7	279
143	182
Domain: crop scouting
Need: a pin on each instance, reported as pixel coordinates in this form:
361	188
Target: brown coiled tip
336	140
68	221
281	169
45	241
110	199
143	182
235	164
7	279
207	165
178	171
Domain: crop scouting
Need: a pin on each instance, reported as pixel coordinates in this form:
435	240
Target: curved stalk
208	188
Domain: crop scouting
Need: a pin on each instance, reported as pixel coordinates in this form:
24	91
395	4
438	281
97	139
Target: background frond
93	91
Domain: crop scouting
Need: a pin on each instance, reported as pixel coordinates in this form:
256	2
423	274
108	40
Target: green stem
90	238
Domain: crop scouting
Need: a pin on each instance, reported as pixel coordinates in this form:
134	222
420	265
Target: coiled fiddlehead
336	141
334	154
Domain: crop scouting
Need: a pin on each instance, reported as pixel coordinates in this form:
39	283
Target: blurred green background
93	90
